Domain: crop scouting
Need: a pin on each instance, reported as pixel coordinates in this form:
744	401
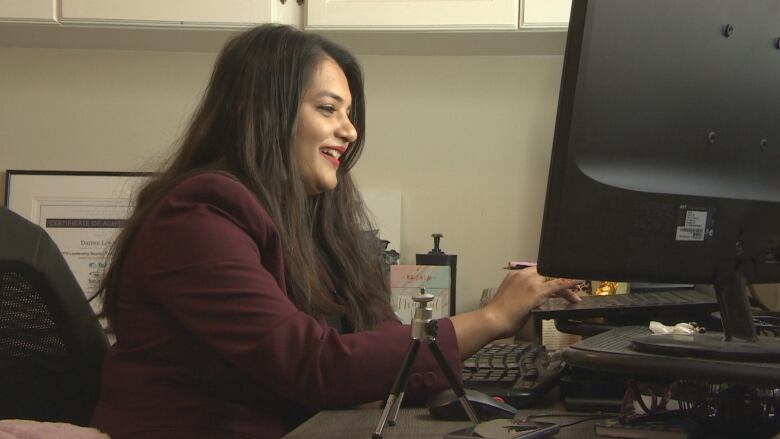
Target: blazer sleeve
215	266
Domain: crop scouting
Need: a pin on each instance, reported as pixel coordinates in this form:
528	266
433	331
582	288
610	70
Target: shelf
492	43
211	40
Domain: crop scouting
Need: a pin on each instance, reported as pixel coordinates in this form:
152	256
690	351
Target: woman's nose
347	131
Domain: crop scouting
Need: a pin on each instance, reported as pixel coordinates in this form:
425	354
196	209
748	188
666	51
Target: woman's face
324	130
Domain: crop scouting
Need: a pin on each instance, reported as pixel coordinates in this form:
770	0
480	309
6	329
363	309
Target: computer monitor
666	155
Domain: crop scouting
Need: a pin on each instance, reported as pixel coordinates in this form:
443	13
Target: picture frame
406	281
82	211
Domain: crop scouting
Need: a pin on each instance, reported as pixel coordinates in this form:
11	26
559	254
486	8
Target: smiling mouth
332	154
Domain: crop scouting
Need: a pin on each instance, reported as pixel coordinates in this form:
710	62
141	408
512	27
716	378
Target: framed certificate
81	211
406	282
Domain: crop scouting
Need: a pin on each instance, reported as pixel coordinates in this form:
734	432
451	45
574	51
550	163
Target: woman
242	298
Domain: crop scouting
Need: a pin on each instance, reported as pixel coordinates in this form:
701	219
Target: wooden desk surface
413	423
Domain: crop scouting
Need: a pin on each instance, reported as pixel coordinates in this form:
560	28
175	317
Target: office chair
51	344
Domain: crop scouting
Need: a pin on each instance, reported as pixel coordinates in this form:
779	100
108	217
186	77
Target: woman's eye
328	109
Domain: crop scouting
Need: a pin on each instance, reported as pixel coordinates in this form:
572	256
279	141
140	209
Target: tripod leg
456	386
397	392
402	380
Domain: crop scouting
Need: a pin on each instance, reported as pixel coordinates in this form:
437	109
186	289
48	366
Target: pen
518	265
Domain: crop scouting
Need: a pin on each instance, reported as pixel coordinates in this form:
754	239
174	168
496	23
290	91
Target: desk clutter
688	409
506	429
628	404
689	397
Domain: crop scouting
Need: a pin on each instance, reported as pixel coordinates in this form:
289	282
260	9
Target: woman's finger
569	295
559	283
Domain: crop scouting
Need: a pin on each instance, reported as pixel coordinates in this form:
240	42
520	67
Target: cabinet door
545	14
222	13
39	11
412	14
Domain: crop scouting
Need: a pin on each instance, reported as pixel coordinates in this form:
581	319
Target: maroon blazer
209	345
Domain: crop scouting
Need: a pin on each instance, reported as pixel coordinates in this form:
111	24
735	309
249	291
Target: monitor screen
666	154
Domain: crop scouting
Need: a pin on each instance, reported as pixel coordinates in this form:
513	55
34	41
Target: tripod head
423	317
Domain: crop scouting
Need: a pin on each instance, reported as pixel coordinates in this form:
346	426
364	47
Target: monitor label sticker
693	224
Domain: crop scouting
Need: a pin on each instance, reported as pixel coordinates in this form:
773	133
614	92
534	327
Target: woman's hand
519	292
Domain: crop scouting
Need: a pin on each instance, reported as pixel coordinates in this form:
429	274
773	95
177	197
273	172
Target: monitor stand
737	342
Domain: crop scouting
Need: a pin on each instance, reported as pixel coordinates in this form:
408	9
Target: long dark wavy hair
245	127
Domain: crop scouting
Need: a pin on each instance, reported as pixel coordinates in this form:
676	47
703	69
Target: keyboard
651	302
520	374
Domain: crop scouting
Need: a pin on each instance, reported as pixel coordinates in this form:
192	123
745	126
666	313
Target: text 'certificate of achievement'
82	212
84	231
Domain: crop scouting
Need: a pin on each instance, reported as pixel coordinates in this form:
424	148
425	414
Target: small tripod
423	330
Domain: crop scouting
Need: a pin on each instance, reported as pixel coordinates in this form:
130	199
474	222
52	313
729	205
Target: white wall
465	139
94	110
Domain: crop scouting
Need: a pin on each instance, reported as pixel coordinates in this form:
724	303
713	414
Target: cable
590	418
587	417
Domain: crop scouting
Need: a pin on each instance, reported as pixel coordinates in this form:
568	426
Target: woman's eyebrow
329	94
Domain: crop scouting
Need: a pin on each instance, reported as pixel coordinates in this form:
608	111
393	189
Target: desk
413	423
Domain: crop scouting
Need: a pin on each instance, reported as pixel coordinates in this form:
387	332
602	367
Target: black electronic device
437	257
612	351
446	406
665	157
520	374
587	390
596	314
500	428
711	389
656	303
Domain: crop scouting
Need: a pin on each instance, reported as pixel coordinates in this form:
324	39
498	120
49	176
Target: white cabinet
412	14
539	14
195	13
28	11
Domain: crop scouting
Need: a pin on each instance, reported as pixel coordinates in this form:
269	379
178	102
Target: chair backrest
51	343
